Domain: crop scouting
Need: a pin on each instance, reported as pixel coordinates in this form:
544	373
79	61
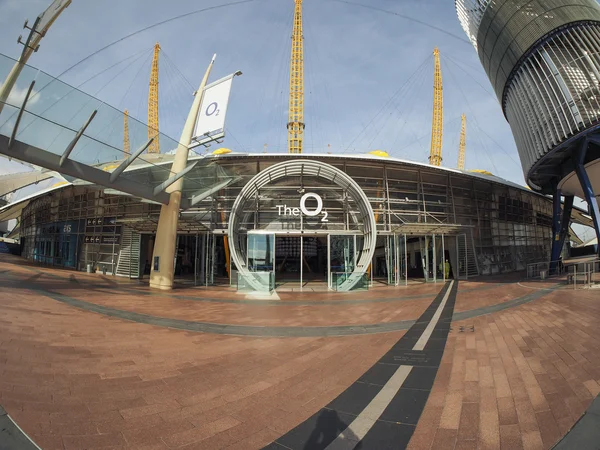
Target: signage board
284	210
102	240
213	109
99	221
69	227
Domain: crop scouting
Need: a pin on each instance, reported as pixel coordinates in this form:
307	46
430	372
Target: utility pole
32	44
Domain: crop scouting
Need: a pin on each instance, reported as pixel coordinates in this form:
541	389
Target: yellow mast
126	144
462	147
296	108
437	128
153	104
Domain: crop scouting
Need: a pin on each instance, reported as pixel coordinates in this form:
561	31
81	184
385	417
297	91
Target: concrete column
166	233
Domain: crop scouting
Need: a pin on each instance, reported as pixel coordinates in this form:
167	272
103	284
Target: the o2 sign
284	210
213	109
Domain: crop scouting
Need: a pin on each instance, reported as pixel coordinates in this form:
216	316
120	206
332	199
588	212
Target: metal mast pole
437	127
126	144
296	108
462	147
39	29
166	233
153	104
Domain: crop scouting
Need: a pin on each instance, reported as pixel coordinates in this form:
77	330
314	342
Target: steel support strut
565	223
588	191
556	222
560	226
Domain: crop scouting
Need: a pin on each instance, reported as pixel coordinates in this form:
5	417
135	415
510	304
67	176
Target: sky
368	72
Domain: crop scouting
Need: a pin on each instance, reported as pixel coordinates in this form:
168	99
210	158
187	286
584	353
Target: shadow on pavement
329	426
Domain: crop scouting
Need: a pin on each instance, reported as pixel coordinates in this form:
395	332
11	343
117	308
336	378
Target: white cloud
17	96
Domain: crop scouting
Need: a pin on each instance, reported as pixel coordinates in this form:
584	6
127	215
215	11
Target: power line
183	77
410	89
108	68
157	24
412	19
474	117
390	100
472	77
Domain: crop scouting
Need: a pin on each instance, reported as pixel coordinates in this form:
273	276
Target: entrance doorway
319	262
287	259
212	265
184	257
301	261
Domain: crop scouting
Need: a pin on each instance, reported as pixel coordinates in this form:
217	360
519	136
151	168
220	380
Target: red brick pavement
74	379
520	380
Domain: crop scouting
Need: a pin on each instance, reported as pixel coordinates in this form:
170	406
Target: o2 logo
284	210
213	109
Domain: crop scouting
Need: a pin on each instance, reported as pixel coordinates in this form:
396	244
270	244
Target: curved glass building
339	220
543	60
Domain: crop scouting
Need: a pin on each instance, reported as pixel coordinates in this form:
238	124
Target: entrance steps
468	264
128	264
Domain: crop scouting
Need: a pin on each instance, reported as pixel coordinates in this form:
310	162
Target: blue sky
357	59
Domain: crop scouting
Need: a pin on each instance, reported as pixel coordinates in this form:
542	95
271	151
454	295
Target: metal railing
545	269
584	275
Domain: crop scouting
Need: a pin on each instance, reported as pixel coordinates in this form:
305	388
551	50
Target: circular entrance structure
307	219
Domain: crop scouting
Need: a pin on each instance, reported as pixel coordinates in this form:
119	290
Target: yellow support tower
153	104
437	128
462	147
296	110
126	144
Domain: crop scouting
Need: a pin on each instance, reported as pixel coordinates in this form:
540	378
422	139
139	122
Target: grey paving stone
11	438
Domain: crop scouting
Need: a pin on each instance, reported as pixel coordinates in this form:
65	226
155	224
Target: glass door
260	260
207	277
391	256
261	252
396	259
341	259
401	275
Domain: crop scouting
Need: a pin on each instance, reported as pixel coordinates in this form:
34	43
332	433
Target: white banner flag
211	119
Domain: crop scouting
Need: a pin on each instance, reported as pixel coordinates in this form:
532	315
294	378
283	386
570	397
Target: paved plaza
90	361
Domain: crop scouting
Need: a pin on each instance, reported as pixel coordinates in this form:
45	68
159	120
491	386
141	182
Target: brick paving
520	380
73	379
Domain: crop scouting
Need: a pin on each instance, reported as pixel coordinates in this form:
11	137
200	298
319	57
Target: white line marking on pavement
360	426
420	345
22	432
